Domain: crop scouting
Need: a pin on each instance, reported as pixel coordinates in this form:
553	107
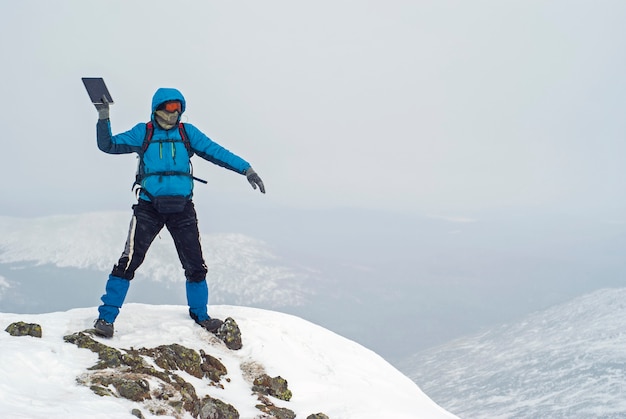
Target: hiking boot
103	328
211	324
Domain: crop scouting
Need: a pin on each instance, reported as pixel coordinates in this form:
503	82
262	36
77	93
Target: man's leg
184	230
197	299
144	226
112	300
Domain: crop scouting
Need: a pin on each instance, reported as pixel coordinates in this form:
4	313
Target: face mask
166	120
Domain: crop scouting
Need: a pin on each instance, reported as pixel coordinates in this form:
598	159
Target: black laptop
97	90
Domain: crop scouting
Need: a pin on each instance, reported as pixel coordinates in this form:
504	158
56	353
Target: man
164	187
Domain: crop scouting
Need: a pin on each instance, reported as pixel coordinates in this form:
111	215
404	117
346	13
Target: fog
452	164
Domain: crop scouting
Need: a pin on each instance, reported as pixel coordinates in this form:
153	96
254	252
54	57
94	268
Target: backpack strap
185	138
148	137
146	142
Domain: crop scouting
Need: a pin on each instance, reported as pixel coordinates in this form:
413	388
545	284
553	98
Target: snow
326	372
566	361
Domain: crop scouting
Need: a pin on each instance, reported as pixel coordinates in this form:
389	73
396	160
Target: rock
230	334
277	412
129	386
276	387
176	357
109	357
213	369
274	411
24	329
317	416
137	413
99	390
125	373
211	408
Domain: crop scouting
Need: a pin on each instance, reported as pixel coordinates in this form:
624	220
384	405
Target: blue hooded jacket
166	151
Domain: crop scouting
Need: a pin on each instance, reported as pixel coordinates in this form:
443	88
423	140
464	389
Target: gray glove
254	179
103	108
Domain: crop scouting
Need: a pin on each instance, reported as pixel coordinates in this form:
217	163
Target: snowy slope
567	362
326	372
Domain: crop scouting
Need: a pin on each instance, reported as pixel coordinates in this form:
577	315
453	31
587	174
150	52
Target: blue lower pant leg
116	289
197	299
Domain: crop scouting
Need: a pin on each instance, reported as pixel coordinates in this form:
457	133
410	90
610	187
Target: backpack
150	132
146	142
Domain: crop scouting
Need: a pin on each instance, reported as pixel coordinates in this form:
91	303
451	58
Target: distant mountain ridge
568	361
242	270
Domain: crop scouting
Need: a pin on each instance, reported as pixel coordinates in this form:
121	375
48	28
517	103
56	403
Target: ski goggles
172	106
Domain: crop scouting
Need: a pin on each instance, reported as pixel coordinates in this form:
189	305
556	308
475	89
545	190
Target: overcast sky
438	107
473	113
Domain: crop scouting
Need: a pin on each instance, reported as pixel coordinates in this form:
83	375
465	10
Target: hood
165	94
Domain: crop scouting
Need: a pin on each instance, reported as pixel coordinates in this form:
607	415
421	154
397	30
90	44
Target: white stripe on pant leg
130	242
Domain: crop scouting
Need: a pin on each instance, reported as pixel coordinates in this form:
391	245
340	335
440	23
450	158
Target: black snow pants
146	223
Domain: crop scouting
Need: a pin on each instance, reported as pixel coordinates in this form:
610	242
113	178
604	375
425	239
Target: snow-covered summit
325	372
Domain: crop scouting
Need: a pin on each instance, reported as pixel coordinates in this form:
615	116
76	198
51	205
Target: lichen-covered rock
176	357
211	408
276	387
317	416
109	357
274	411
99	390
125	373
277	412
212	367
24	329
230	334
133	387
